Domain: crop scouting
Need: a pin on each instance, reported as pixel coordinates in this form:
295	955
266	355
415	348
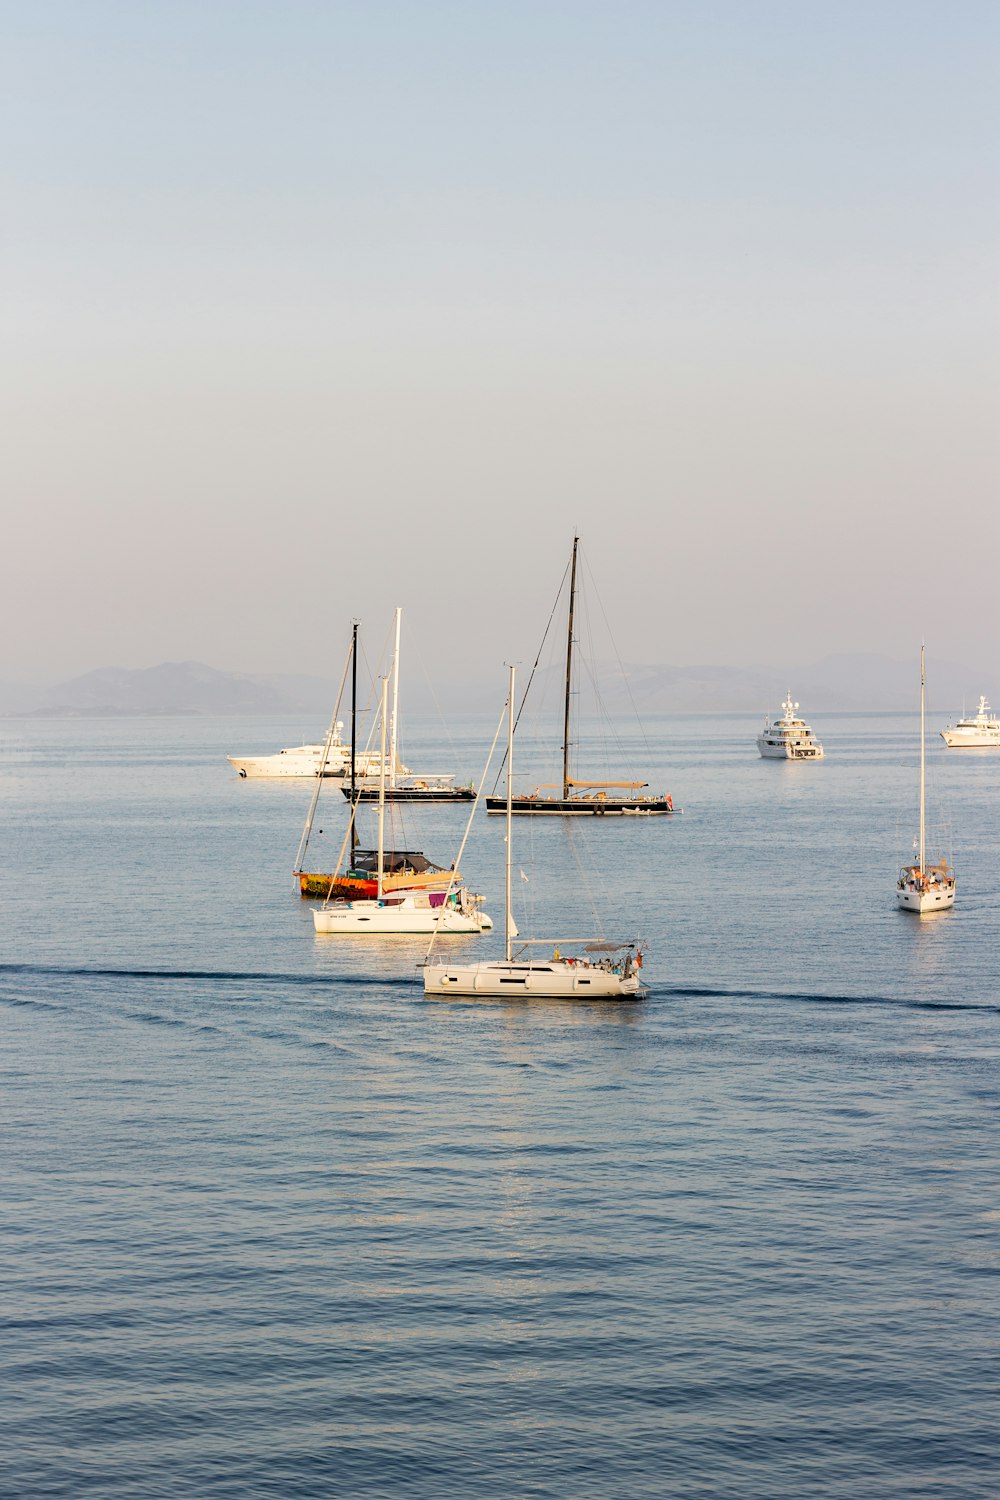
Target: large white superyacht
980	732
306	760
789	738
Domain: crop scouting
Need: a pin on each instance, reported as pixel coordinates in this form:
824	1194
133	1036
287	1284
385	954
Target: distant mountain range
859	682
183	687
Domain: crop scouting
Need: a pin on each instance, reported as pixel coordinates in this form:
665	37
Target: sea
276	1225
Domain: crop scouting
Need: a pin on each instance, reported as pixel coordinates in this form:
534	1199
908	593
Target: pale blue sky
312	309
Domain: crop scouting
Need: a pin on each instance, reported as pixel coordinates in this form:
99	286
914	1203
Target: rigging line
583	880
340	856
456	867
609	735
621	667
307	829
437	707
366	761
352	820
376	725
531	675
612	738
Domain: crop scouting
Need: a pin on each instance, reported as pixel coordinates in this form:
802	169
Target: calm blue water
275	1226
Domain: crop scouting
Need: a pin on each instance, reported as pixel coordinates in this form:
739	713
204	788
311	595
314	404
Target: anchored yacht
789	738
602	971
976	733
306	760
926	886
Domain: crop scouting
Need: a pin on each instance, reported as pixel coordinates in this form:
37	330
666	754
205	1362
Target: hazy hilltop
858	682
186	687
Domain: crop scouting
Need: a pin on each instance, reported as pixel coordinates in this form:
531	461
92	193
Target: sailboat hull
413	794
782	750
371	917
935	899
329	887
584	807
558	979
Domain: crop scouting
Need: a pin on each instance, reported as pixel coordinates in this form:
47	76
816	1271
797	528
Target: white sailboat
401	910
604	971
924	887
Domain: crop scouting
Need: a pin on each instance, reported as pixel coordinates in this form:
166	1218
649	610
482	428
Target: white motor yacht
789	738
979	732
306	760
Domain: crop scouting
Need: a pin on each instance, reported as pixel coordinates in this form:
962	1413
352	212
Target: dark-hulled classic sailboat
573	797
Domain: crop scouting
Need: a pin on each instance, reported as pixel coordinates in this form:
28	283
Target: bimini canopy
393	860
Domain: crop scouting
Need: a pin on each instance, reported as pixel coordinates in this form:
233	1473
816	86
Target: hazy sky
316	308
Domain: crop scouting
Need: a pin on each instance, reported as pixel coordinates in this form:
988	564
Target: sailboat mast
381	793
354	740
334	725
921	757
569	667
508	917
395	703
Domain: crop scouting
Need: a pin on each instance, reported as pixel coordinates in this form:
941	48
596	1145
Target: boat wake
804	997
225	976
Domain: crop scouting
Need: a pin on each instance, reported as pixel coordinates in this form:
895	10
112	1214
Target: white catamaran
924	887
604	971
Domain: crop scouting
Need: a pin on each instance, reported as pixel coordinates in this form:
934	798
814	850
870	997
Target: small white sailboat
603	971
924	887
980	732
401	910
789	738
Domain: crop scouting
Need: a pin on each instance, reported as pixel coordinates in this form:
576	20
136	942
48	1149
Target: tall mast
569	667
395	702
334	726
381	792
508	918
921	757
354	740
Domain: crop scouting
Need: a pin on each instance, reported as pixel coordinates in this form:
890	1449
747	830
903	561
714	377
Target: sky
311	309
